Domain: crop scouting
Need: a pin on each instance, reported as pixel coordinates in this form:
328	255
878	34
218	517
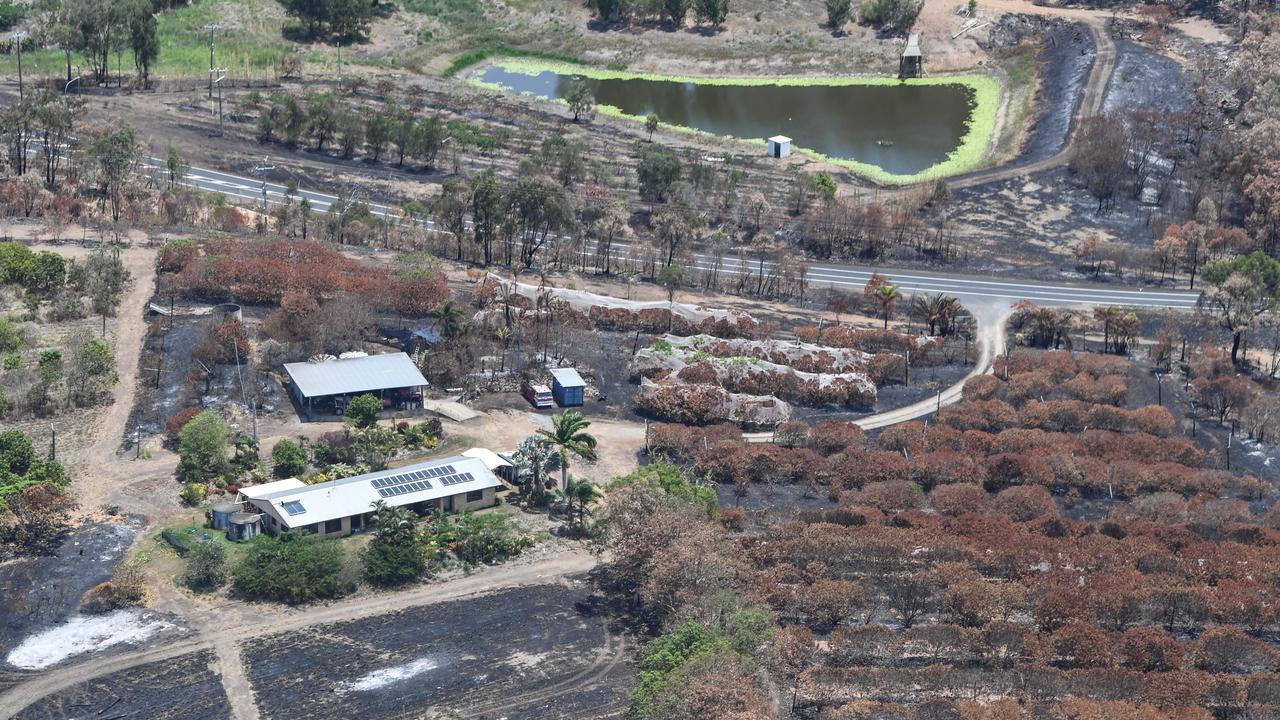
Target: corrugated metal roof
913	46
355	495
355	375
568	377
257	491
491	459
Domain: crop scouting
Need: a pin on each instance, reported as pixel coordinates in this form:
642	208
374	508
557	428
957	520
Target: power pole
221	72
261	171
17	38
212	28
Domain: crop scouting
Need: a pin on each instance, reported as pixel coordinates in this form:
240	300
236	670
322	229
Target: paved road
967	288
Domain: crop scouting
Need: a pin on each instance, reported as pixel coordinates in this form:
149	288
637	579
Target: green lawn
252	43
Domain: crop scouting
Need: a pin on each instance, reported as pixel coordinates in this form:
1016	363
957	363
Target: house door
448	504
357	523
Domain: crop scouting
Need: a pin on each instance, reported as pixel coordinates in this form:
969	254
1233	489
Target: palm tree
504	336
1108	317
451	318
583	493
569	433
935	310
887	295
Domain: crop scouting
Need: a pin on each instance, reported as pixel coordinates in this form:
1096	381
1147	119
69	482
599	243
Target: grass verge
479	55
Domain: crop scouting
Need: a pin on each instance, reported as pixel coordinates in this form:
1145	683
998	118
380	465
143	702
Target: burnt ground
1034	223
185	688
171	351
44	590
540	652
1143	77
1066	57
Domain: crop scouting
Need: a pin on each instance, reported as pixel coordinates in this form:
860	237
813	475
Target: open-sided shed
392	377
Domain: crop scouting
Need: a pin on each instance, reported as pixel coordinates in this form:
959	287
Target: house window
332	526
475	496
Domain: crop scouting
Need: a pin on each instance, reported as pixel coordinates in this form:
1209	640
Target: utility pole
221	72
17	38
253	409
261	171
212	28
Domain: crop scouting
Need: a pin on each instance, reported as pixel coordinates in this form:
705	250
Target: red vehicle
538	395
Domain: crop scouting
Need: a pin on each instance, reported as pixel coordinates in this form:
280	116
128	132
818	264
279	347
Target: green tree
322	118
291	568
17	452
103	277
117	154
581	494
658	172
569	433
838	13
47	273
651	122
714	12
672	278
887	295
343	19
450	318
143	39
93	370
203	444
536	458
288	459
176	167
16	261
363	411
582	101
675	11
205	567
394	556
377	133
1241	291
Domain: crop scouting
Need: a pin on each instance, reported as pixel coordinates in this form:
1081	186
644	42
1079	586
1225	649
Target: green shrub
10	336
202	447
288	458
12	362
389	565
291	568
206	566
10	14
193	493
476	539
363	411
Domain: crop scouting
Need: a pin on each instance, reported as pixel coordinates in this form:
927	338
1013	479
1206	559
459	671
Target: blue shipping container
567	386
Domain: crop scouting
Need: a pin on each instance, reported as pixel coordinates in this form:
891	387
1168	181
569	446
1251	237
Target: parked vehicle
538	395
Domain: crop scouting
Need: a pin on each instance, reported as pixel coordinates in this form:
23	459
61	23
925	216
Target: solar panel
293	507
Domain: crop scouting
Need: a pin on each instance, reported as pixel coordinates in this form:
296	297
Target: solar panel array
293	507
455	479
418	480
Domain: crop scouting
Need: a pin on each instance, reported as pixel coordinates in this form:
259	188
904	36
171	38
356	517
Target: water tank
243	526
227	311
222	513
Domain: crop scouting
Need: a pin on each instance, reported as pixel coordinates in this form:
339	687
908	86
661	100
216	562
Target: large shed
341	507
567	386
330	383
